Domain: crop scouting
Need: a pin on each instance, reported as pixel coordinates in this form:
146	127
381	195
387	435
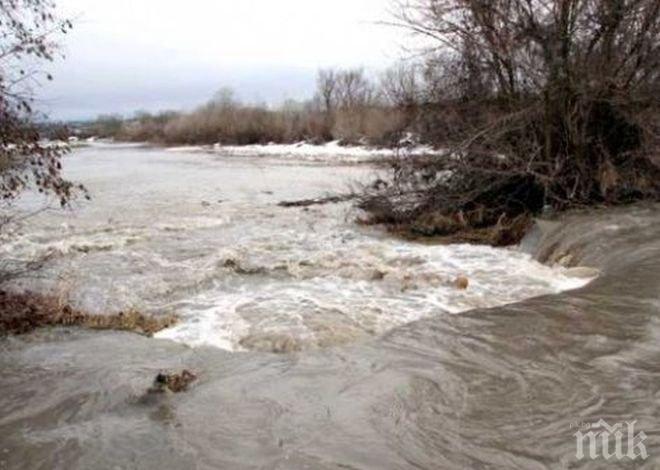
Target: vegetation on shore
547	106
24	313
348	107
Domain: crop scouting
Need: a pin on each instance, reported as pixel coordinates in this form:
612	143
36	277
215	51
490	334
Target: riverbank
22	313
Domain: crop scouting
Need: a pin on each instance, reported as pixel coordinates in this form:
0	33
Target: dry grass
131	320
23	313
237	124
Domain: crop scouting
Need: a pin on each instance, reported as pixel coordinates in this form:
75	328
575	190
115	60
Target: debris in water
462	282
238	268
318	202
175	383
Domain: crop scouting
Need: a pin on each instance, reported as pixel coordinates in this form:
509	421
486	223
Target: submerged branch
319	201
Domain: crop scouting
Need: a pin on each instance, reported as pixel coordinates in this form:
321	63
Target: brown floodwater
389	372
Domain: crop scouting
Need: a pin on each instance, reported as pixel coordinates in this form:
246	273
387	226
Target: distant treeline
348	106
420	99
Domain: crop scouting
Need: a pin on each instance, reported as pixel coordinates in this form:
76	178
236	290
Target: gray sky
153	55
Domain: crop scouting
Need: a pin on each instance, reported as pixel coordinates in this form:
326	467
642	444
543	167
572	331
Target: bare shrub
347	107
546	102
376	125
384	126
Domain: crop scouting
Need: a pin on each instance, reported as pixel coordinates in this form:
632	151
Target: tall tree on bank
27	28
567	98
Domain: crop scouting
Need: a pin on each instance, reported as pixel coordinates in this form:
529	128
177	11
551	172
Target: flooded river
388	364
202	236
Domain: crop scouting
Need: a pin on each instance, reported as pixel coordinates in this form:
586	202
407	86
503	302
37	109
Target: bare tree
225	98
26	29
560	90
401	88
326	83
401	85
354	90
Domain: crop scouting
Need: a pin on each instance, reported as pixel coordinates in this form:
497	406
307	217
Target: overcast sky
128	55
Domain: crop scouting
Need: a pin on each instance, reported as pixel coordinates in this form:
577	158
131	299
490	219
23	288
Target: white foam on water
217	326
245	273
337	298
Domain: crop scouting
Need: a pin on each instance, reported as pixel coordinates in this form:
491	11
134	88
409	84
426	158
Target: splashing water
202	236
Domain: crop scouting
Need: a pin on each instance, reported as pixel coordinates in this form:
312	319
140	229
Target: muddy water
202	236
415	385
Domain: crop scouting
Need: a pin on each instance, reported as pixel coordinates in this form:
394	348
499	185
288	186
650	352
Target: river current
386	364
202	236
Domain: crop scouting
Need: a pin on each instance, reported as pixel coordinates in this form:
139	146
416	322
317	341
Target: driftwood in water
318	201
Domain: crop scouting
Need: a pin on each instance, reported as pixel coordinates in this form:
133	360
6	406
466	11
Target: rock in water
462	282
